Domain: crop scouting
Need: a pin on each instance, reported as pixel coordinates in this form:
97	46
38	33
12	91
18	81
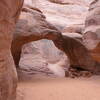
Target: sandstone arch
39	28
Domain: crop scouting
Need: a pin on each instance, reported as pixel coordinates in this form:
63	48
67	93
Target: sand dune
60	89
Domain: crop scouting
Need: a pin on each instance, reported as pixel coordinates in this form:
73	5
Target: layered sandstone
9	12
91	34
63	13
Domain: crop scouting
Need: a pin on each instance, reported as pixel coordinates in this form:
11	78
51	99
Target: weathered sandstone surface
91	36
8	76
33	26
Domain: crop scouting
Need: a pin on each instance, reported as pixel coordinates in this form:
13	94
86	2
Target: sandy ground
59	89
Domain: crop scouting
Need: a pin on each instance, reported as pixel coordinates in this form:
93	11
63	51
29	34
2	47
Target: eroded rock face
55	12
8	76
91	34
43	58
77	53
